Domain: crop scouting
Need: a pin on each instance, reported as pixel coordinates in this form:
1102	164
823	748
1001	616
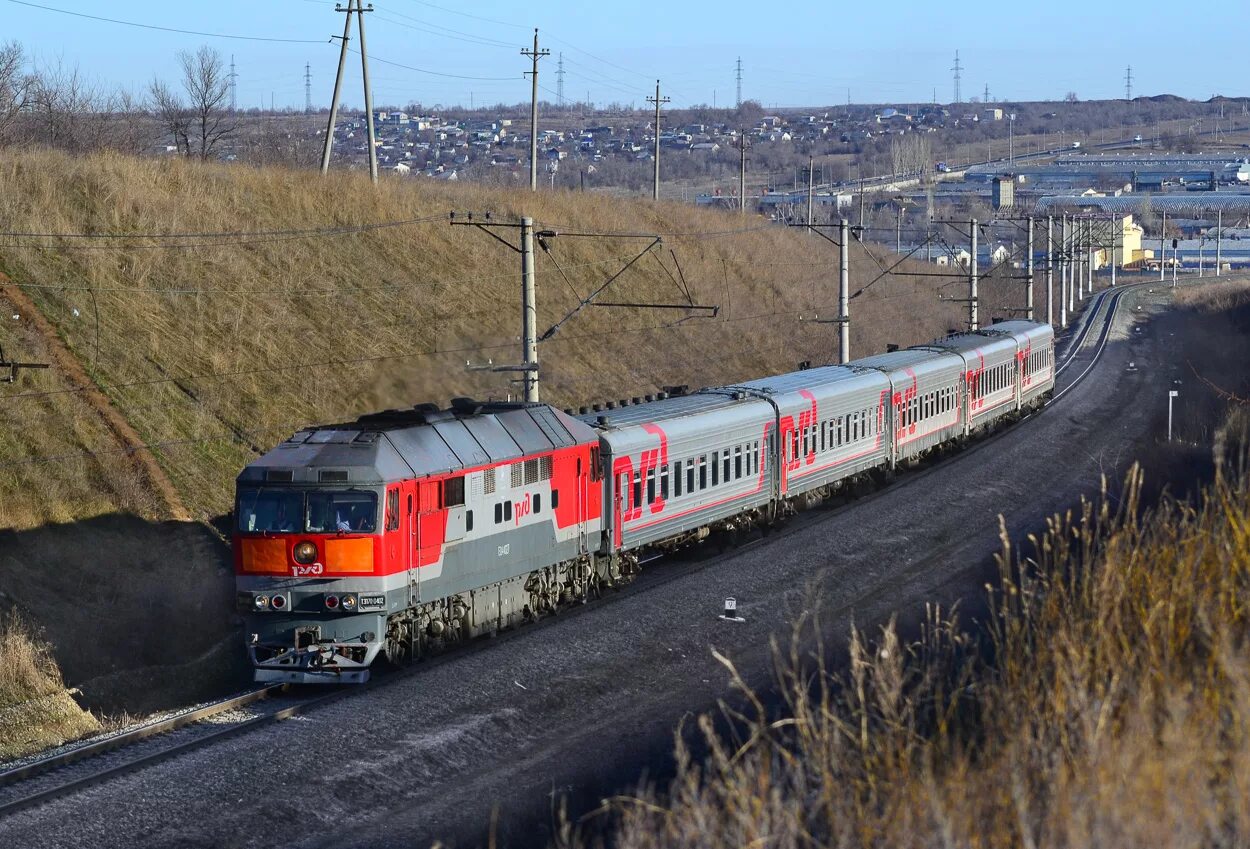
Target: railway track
66	772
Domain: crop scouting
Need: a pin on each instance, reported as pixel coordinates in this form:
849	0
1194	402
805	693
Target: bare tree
14	85
174	117
208	88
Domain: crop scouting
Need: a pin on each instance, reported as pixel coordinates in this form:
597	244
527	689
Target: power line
307	231
167	29
467	15
454	35
428	71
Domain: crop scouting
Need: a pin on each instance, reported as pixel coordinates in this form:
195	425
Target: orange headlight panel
266	556
349	555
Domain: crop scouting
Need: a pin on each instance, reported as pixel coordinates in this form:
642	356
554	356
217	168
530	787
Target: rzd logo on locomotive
312	569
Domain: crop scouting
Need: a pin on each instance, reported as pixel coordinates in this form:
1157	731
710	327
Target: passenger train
407	530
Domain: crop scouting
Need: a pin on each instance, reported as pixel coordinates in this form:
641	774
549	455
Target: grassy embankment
1106	703
35	708
210	349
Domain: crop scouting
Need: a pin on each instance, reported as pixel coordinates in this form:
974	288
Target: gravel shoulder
585	702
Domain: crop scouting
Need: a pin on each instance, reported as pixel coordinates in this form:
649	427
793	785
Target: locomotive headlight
348	603
305	552
261	602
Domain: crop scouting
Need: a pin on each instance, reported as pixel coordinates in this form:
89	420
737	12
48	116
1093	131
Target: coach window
715	468
664	482
677	479
651	486
703	472
737	462
637	502
725	461
690	476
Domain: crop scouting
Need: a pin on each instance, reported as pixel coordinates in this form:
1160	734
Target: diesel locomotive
407	530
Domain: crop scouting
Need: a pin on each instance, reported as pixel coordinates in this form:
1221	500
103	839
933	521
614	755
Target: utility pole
1063	272
560	80
338	87
534	55
1128	83
529	312
861	201
658	101
1093	257
898	229
739	102
234	86
957	69
972	280
844	290
1219	239
307	88
364	73
1163	246
811	172
1117	228
1050	271
1028	286
742	174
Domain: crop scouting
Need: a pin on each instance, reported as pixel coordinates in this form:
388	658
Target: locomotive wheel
399	644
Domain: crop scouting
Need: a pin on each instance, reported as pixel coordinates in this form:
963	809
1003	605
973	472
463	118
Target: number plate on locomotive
372	602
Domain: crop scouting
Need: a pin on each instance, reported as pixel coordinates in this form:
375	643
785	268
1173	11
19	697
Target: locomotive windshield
307	511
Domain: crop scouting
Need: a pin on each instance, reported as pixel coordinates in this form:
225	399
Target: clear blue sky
793	54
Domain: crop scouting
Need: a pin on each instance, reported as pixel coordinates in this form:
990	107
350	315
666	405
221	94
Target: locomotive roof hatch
418	442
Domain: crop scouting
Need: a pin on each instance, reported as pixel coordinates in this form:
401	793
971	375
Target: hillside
177	356
213	347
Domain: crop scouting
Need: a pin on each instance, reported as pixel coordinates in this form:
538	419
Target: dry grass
1109	706
268	335
35	710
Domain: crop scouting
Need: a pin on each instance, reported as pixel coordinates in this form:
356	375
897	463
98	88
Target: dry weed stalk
1106	704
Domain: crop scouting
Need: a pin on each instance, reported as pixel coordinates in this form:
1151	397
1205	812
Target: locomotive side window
468	521
538	503
453	492
555	499
498	512
596	466
507	511
392	510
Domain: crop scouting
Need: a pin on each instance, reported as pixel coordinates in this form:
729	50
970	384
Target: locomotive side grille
332	476
518	474
544	468
488	481
531	471
279	475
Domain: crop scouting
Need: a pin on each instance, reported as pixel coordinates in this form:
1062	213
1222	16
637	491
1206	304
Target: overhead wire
168	29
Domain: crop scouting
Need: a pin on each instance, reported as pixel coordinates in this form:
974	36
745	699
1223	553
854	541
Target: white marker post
731	611
1172	393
